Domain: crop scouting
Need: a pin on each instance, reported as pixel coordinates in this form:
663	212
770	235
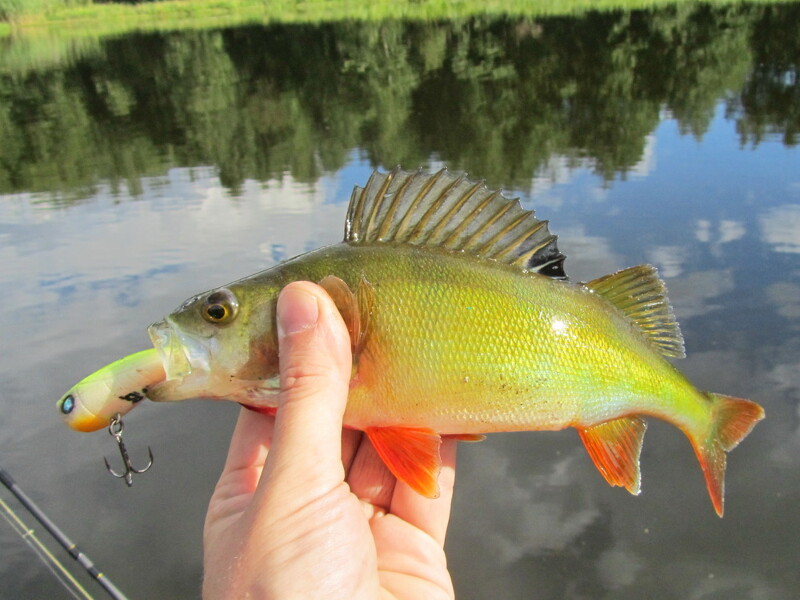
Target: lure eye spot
220	308
67	404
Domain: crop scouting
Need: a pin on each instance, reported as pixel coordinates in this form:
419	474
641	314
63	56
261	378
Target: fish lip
181	354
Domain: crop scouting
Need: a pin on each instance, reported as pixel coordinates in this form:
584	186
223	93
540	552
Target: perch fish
462	323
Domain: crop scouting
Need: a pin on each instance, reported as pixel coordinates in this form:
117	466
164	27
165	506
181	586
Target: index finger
250	443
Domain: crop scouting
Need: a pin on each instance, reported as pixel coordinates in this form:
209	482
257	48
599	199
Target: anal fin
411	454
614	447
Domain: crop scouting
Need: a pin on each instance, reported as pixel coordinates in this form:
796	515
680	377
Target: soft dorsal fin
450	212
641	295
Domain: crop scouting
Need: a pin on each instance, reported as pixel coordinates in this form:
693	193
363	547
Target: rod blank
60	536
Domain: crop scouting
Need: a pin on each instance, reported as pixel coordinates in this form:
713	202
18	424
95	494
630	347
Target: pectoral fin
355	308
614	447
411	454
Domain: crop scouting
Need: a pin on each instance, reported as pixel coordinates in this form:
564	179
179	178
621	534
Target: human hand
305	510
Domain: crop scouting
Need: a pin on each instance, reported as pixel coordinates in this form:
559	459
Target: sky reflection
530	508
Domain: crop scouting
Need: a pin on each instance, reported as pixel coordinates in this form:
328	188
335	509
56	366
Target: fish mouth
181	355
188	371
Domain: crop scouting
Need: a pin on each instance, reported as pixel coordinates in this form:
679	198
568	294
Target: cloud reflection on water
780	228
532	515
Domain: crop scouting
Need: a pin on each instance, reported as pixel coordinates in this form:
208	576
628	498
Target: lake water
138	170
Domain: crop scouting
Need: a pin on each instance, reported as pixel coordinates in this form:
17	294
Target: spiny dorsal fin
449	211
642	296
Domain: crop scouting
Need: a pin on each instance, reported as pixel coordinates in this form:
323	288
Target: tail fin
731	420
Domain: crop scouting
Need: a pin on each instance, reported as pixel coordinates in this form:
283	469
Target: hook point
115	429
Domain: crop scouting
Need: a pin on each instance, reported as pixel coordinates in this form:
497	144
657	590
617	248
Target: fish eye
220	308
67	404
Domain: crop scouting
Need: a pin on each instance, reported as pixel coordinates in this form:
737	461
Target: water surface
139	170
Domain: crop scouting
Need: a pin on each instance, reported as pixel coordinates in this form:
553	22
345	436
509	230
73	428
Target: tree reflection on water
495	97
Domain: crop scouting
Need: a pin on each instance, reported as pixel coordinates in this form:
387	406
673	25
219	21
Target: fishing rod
58	535
59	571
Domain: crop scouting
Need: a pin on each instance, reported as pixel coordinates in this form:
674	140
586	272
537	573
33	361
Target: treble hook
115	429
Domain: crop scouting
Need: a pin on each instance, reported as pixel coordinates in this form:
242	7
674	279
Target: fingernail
297	310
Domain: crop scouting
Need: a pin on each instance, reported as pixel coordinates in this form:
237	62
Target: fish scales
468	346
461	323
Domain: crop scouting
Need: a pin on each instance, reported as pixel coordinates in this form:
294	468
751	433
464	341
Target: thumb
315	368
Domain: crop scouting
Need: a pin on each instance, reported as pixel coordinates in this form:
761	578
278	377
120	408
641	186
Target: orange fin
465	437
732	419
411	454
614	447
355	308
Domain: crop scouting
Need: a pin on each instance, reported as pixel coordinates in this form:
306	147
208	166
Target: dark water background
138	170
